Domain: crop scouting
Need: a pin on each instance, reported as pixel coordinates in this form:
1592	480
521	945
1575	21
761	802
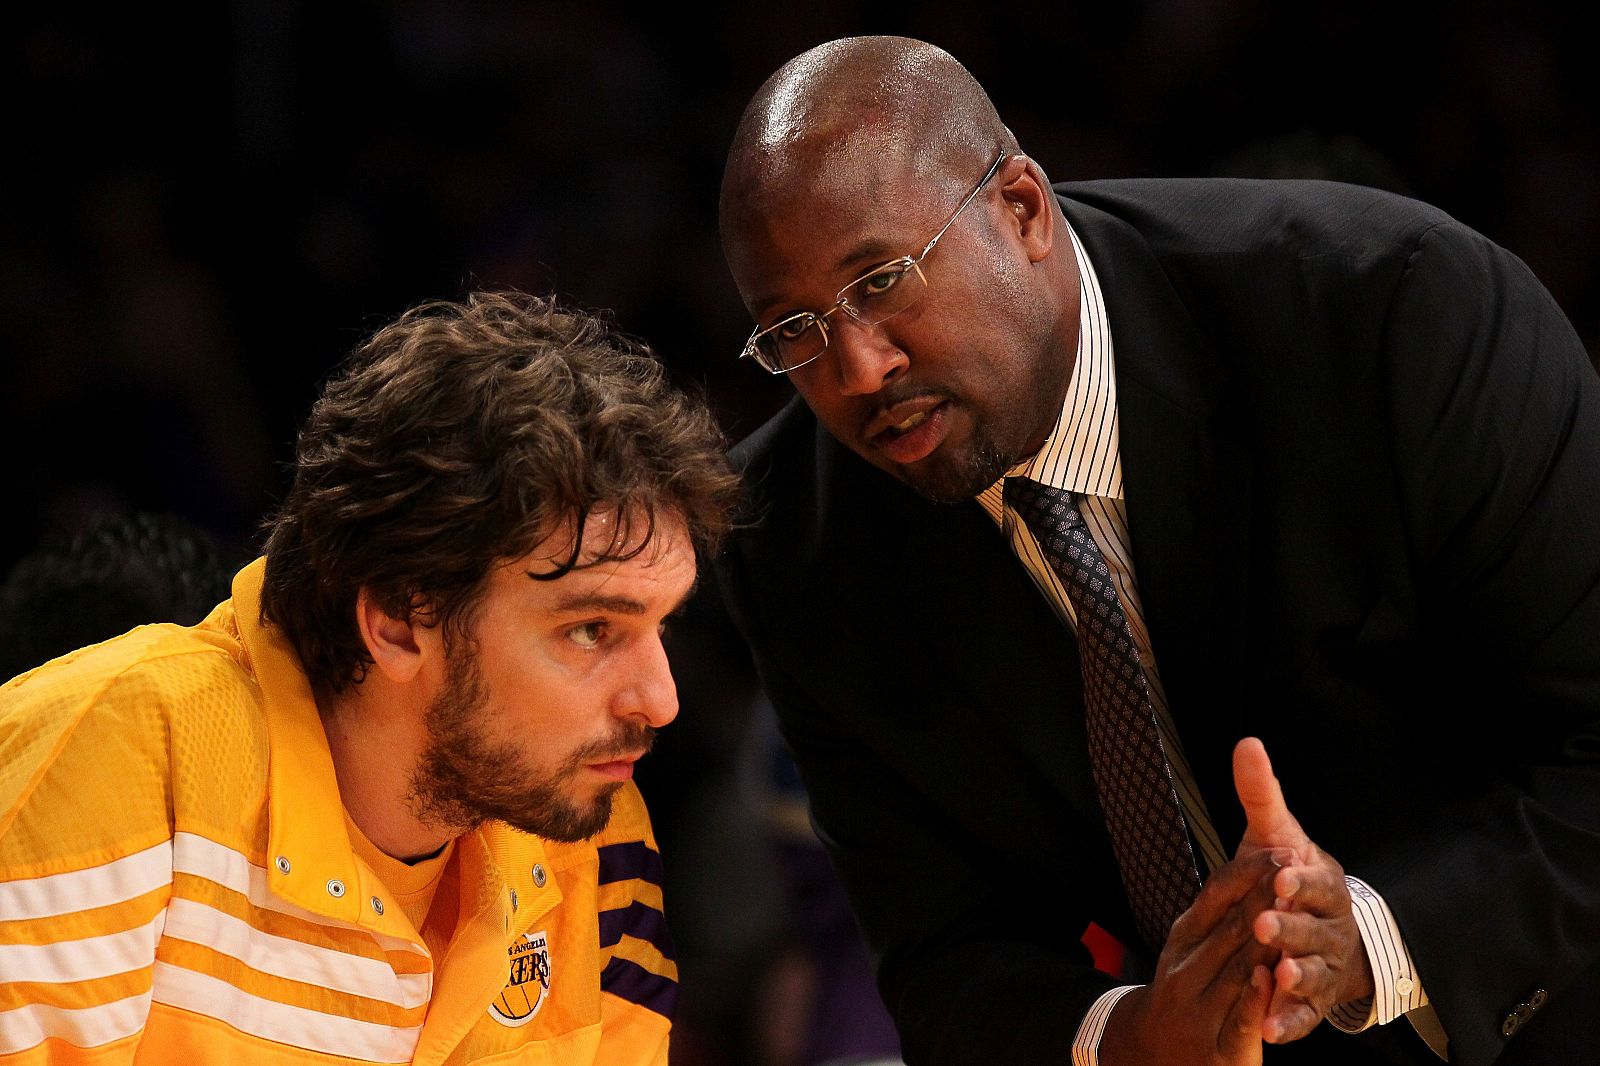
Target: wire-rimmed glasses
876	296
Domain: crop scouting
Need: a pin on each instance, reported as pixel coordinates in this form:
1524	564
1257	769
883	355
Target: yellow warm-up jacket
178	885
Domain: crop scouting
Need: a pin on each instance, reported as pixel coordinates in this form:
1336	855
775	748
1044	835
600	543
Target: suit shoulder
778	463
1221	215
789	431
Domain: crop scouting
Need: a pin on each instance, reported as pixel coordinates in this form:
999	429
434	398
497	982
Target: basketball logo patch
529	983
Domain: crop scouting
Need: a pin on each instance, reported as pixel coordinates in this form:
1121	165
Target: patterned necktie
1130	767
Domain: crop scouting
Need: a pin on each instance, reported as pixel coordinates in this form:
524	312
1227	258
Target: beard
465	779
963	477
1007	428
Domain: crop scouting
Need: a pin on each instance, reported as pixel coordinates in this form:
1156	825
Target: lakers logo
529	983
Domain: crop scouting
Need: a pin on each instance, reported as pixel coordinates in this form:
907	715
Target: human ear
397	645
1030	205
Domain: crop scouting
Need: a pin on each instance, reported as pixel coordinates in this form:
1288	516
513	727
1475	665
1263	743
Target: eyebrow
580	602
870	248
869	253
577	603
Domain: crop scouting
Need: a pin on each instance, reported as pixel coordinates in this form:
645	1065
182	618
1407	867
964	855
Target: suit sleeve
1496	414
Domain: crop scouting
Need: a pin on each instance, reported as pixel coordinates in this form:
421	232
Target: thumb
1268	823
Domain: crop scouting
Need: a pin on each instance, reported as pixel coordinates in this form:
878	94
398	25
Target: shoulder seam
9	817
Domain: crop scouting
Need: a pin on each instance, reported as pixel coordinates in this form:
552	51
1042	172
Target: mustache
629	738
893	394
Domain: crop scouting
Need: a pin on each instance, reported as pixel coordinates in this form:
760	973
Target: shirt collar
1083	452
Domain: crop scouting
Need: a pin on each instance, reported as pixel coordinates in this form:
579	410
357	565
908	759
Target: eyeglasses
876	296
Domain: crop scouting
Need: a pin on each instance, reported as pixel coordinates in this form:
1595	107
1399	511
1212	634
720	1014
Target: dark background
205	210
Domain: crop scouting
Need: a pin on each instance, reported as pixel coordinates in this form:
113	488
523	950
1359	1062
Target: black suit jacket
1361	448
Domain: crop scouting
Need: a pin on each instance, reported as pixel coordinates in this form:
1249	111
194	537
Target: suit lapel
1187	483
986	630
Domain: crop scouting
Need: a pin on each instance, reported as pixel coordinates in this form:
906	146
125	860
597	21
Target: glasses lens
796	340
887	290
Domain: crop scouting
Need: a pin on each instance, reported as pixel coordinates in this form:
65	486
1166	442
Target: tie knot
1045	508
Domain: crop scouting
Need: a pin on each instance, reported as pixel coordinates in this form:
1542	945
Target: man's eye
790	328
587	635
876	284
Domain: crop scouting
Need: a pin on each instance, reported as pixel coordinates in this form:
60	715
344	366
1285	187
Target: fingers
1316	885
1327	959
1222	893
1310	912
1303	993
1317	890
1213	983
1268	822
1322	960
1232	952
1297	933
1242	1030
1293	1021
1306	976
1306	932
1214	949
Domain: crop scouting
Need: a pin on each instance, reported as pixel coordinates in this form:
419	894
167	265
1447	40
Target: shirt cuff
1086	1045
1398	989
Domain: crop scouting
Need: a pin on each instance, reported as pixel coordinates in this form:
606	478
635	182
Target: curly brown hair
462	435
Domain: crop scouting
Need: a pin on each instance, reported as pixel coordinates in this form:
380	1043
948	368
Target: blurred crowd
206	210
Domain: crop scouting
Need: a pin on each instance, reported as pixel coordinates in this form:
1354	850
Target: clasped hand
1269	946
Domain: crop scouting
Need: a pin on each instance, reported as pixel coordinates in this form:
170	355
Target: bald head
830	109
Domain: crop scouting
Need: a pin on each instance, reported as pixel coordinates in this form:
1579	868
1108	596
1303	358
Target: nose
864	356
652	695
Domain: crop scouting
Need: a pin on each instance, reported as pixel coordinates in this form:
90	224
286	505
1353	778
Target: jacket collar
310	861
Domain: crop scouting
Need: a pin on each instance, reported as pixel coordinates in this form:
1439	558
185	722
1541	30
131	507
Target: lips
616	769
899	418
910	430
